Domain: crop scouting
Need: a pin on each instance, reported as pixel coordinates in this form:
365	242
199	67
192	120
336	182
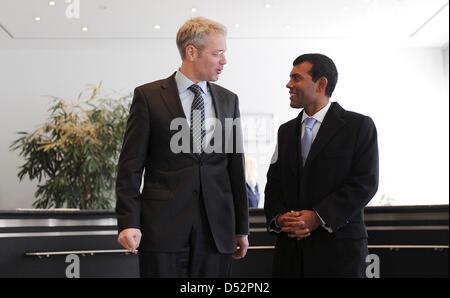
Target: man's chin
295	105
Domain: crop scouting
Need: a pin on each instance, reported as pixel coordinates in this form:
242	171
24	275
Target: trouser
198	259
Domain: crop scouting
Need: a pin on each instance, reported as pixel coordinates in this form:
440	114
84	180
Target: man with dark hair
324	172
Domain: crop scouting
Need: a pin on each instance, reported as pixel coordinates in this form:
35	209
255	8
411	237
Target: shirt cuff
324	224
273	226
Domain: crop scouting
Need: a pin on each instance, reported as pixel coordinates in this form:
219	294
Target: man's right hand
292	224
130	239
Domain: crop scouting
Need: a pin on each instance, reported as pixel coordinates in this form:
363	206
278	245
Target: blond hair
195	31
251	170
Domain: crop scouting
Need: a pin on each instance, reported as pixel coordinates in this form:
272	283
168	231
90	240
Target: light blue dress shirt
187	97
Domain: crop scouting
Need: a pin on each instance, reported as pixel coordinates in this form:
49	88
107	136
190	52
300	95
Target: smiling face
304	92
209	60
301	86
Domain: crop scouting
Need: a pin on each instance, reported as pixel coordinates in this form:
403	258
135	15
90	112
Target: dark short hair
322	66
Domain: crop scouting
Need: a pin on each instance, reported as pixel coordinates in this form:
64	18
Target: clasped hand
298	224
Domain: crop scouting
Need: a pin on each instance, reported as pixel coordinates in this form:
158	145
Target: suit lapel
169	93
294	144
331	124
171	98
217	102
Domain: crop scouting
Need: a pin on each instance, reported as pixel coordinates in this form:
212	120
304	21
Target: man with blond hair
191	217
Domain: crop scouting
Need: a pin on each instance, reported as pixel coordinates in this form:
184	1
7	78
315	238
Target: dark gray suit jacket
173	181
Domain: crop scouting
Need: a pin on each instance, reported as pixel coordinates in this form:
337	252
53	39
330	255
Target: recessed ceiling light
37	18
193	9
287	27
346	8
51	3
267	5
237	25
157	27
84	29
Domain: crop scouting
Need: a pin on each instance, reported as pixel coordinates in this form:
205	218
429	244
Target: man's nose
223	61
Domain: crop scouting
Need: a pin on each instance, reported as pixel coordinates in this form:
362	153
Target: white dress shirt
319	116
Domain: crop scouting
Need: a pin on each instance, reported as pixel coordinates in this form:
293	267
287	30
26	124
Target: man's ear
191	52
322	85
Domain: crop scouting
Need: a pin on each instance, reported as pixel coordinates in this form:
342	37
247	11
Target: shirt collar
183	83
320	115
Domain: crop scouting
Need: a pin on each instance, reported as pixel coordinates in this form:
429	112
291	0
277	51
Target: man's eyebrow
292	75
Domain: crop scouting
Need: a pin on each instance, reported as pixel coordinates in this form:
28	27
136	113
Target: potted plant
74	154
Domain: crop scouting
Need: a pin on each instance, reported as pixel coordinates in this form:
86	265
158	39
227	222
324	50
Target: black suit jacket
339	178
164	211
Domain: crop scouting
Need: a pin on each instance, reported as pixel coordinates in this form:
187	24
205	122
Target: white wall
445	57
399	88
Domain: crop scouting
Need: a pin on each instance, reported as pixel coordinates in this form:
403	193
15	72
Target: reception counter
411	241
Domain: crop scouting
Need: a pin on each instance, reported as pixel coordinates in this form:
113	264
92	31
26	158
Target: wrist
277	224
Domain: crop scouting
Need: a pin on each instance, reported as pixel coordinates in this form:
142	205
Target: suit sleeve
339	207
131	163
273	203
237	177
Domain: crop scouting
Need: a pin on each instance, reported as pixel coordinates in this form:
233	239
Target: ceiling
411	22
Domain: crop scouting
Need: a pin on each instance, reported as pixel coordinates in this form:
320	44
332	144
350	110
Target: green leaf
74	154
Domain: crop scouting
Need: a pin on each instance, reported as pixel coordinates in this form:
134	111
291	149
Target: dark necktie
197	119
